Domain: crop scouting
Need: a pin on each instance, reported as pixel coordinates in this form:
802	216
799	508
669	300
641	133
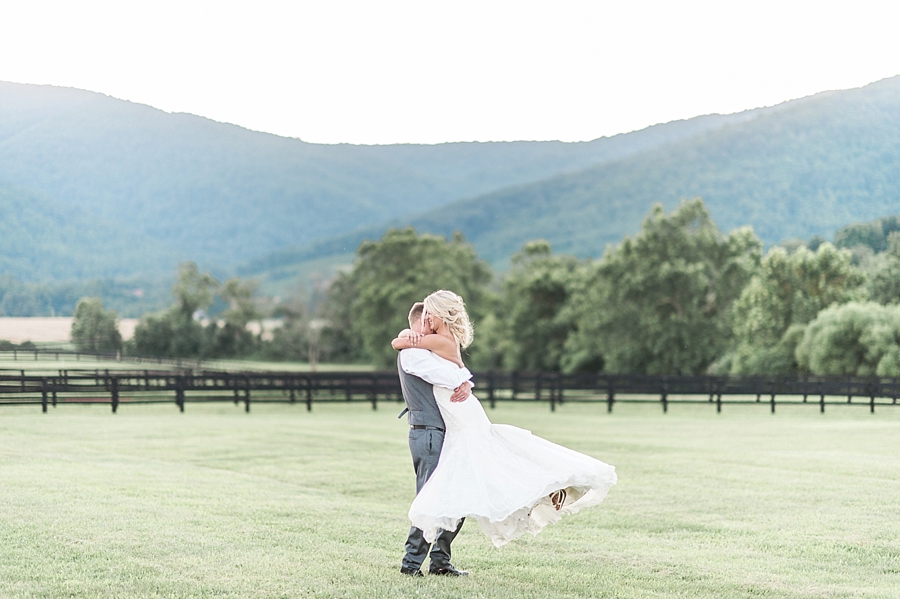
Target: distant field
54	330
284	503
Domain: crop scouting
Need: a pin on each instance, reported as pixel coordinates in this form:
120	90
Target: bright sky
386	71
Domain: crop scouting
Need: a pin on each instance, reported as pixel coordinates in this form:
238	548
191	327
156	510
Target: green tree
873	235
787	292
339	341
231	338
167	334
95	329
176	332
533	323
660	302
883	273
857	338
194	291
401	268
290	341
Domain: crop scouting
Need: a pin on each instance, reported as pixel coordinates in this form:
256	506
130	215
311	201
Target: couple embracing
507	479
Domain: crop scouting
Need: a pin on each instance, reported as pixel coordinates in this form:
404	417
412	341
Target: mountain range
118	189
806	167
95	187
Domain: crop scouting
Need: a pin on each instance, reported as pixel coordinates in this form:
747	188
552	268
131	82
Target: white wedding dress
502	476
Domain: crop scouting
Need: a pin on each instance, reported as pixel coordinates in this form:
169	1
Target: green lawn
284	503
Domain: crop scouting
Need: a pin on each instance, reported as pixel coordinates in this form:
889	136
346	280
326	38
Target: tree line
208	319
678	297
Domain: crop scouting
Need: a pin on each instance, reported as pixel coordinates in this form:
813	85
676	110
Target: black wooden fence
44	353
115	387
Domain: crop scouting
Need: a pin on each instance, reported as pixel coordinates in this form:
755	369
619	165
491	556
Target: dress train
503	477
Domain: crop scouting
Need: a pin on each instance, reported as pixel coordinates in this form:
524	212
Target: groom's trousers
425	446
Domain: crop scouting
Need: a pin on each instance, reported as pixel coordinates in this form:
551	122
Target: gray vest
419	397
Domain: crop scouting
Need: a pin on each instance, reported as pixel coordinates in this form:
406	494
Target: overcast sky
387	71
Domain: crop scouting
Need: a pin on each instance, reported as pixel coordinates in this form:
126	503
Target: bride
509	480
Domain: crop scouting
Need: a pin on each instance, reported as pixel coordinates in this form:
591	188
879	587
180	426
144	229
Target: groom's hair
415	313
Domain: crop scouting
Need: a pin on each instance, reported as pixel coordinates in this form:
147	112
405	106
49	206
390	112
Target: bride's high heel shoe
557	498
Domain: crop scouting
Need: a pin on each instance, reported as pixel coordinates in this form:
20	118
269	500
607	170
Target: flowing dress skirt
502	476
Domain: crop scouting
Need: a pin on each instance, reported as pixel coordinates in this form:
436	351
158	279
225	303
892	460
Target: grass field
284	503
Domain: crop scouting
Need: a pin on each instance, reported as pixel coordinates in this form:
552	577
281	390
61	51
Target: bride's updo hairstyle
451	308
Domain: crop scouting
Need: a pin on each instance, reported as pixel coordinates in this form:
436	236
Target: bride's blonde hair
451	308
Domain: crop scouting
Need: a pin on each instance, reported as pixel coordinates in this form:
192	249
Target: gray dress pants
425	446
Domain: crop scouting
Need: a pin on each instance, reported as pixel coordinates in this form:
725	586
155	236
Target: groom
419	371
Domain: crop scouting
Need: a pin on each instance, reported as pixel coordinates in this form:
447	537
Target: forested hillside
93	188
807	168
130	190
45	239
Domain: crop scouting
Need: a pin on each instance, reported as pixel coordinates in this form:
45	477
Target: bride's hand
409	334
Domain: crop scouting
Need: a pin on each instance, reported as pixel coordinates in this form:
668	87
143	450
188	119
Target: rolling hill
93	187
809	167
118	189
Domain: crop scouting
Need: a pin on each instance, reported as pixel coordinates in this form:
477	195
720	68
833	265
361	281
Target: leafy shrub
858	338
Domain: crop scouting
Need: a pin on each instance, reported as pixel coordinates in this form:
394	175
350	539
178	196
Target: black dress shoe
448	571
414	572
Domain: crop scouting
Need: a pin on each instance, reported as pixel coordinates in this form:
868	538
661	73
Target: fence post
514	380
772	400
553	395
246	393
44	396
114	393
610	394
309	393
491	398
560	383
665	395
179	393
373	393
872	399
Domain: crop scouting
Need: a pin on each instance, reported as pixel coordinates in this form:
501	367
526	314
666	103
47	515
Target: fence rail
116	387
20	354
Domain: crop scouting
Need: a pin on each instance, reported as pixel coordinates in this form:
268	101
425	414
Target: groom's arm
462	392
423	364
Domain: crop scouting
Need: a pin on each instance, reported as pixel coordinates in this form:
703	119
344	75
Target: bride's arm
402	337
440	345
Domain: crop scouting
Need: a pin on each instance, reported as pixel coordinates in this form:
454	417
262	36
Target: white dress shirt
432	368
